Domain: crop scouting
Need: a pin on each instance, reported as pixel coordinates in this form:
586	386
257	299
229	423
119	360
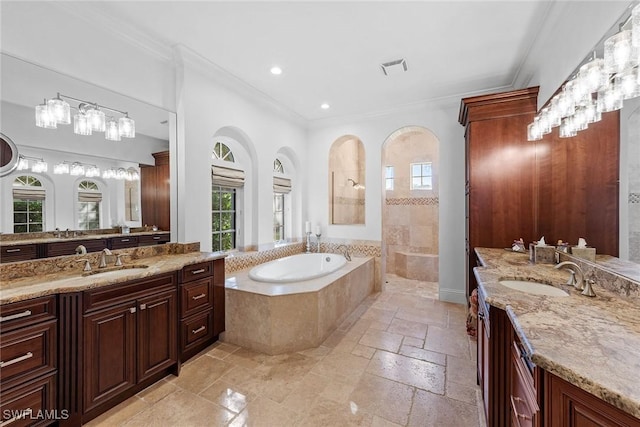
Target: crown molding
228	80
91	13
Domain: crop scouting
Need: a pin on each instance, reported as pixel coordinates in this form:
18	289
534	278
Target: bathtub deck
279	318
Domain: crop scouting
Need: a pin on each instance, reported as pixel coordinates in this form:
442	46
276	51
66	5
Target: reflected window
222	152
223	218
278	217
277	166
388	177
89	200
421	176
28	205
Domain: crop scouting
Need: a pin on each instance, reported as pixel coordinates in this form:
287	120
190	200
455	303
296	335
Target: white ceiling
331	51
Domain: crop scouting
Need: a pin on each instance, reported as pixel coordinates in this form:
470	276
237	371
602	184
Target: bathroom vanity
74	344
556	360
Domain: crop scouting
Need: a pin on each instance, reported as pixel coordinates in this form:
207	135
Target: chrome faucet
103	257
81	250
346	251
581	283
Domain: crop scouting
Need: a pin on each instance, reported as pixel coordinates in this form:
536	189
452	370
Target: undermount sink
535	288
116	271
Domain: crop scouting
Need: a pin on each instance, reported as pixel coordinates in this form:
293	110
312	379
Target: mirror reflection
67	179
347	186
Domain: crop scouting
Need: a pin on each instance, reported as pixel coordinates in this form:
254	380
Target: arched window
223	200
277	166
28	204
89	199
281	187
222	152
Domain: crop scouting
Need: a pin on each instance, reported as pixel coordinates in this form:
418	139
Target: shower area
410	166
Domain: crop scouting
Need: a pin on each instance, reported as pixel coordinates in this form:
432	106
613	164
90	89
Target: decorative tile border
634	198
413	201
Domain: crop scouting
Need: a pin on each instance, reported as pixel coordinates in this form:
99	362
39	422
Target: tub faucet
103	258
346	251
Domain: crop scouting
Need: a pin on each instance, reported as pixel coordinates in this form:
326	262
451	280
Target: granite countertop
45	280
590	342
79	237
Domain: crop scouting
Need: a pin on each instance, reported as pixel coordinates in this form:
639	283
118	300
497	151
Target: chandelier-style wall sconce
89	118
599	86
36	164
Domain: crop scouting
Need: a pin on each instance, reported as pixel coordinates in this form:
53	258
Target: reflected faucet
103	257
81	250
346	251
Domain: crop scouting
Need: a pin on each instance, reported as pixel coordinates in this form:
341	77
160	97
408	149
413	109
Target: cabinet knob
200	329
132	310
197	297
15	316
29	355
143	306
198	271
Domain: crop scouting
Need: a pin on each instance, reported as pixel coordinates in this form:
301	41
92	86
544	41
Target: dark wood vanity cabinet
18	252
569	406
154	239
123	242
201	306
68	247
28	368
525	389
154	192
130	335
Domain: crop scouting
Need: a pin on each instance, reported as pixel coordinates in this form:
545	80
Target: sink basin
535	288
117	271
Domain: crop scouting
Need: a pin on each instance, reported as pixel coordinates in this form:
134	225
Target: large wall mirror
25	85
346	181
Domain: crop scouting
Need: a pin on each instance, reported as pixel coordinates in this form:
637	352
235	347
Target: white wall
204	108
441	119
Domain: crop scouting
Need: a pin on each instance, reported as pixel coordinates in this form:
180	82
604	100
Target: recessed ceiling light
276	70
325	106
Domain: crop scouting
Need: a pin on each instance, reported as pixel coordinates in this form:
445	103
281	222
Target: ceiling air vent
398	66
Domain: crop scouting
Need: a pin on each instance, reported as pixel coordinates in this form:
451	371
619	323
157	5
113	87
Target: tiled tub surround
31	279
278	318
590	342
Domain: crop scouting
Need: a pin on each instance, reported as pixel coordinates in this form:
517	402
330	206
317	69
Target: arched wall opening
410	204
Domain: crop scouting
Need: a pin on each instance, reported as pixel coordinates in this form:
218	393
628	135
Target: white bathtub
297	268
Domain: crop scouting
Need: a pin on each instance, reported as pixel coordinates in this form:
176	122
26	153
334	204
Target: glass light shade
111	131
121	173
627	83
81	124
92	171
635	26
618	53
43	118
134	175
97	120
61	168
76	169
592	113
580	121
59	110
593	76
127	127
566	128
109	174
23	164
533	132
609	99
563	104
39	166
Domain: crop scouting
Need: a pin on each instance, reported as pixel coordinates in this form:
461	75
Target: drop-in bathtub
281	317
297	268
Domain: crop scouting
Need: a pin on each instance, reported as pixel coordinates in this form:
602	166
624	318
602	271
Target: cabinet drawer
23	313
29	351
189	273
68	247
124	242
155	239
196	329
128	291
195	296
524	407
30	404
18	252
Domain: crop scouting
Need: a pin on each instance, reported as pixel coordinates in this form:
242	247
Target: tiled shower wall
410	217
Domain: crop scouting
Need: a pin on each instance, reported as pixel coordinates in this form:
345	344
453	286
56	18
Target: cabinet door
109	353
483	362
570	406
157	333
218	297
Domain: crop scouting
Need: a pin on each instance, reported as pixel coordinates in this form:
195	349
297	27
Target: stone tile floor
401	359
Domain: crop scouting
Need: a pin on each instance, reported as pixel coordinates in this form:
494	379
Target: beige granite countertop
44	280
593	343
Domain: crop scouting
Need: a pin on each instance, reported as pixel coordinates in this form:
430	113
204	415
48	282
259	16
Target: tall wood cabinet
500	171
154	192
559	188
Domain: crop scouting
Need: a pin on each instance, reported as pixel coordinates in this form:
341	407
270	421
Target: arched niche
347	168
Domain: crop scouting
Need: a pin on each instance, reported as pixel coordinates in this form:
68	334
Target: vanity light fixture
89	117
36	164
325	106
599	86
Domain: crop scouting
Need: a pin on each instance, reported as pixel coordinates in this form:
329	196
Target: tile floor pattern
401	359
